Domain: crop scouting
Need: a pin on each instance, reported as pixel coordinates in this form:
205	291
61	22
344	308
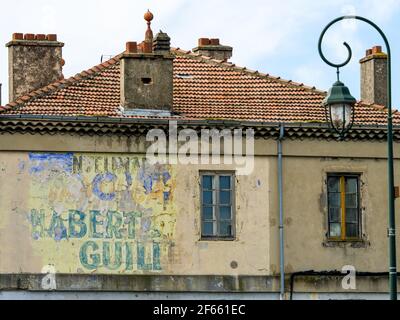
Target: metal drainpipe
281	214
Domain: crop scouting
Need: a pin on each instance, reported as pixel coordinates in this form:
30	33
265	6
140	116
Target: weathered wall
374	79
84	213
33	65
116	214
305	206
154	95
32	180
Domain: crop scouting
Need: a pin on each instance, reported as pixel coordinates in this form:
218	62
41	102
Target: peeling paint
116	209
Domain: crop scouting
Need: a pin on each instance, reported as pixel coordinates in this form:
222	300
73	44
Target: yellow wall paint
100	213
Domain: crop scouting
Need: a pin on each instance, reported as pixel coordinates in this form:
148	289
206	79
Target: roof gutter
109	120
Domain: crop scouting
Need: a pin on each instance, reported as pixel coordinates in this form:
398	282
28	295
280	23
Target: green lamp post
340	113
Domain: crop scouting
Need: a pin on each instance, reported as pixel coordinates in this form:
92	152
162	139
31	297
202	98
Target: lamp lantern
339	107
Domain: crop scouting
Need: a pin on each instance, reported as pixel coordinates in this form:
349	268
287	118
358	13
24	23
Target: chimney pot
51	37
214	42
17	36
29	37
368	52
131	47
376	49
204	42
40	37
147	47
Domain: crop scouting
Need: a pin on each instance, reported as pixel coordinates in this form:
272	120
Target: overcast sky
276	37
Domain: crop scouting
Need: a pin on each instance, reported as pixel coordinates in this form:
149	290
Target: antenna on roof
105	57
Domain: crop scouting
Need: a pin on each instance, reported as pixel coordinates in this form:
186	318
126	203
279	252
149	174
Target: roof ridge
62	83
245	70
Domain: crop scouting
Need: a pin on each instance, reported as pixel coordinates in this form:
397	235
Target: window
217	205
344	207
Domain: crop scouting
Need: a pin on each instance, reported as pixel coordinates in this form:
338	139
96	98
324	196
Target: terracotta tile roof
203	89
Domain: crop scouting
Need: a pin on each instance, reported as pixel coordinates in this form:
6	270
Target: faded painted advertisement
100	213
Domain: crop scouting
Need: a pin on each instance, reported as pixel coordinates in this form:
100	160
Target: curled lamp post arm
392	219
350	53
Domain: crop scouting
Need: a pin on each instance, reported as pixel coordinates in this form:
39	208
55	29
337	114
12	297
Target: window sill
350	243
216	239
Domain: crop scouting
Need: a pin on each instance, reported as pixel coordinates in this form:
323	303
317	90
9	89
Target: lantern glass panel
341	115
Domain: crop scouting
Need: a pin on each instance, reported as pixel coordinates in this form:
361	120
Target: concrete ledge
140	283
190	284
35	43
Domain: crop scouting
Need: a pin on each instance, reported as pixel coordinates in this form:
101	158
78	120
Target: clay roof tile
211	89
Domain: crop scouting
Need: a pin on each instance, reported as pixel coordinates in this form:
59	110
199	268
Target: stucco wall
172	208
115	213
305	206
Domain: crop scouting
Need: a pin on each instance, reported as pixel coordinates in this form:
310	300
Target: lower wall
70	287
24	295
341	296
137	283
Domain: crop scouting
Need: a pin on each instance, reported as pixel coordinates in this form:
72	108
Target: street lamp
340	113
339	109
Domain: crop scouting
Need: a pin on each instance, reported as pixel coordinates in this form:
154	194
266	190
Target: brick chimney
34	61
147	74
213	49
374	76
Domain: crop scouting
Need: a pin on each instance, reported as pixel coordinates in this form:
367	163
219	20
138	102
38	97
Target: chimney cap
374	53
162	43
31	39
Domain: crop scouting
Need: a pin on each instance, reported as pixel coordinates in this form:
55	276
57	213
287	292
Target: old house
84	212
